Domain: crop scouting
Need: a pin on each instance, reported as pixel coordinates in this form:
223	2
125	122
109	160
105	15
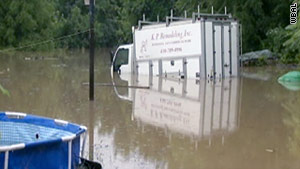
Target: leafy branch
4	91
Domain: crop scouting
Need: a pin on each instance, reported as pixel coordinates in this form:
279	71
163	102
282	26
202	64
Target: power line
45	41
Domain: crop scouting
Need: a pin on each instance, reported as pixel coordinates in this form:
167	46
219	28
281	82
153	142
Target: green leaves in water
4	91
290	80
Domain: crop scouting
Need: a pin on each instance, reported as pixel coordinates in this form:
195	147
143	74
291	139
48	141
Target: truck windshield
121	59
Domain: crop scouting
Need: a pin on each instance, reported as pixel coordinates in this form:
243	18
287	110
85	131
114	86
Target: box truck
204	46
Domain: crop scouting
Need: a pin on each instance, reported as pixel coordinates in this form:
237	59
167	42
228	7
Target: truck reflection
198	109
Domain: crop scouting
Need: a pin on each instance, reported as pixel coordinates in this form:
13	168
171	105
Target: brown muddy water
252	122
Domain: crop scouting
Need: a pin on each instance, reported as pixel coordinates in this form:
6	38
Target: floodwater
251	122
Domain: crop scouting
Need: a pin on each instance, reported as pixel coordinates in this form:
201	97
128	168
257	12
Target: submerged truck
204	46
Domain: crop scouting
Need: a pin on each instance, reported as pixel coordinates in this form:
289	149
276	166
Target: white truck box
207	46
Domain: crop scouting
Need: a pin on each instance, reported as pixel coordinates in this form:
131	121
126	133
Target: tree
285	41
133	11
22	23
71	18
256	17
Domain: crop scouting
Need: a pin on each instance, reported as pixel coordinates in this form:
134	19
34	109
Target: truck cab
123	59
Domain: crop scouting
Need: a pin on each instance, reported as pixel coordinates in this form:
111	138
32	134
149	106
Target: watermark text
293	14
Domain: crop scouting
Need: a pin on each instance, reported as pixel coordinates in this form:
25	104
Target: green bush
4	91
22	23
285	42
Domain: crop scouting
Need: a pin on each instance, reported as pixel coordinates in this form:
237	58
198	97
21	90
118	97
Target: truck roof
126	45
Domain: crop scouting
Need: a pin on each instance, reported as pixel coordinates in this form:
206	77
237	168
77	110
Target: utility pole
92	48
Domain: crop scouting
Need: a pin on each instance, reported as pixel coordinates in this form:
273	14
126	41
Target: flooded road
251	122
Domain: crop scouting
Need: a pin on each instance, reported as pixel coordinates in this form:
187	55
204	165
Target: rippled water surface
250	122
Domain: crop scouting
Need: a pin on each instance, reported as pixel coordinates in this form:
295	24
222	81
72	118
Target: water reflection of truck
204	46
198	109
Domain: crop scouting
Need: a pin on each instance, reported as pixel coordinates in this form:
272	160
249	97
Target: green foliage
285	42
256	16
133	11
22	23
25	21
262	61
75	22
292	45
274	40
4	91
